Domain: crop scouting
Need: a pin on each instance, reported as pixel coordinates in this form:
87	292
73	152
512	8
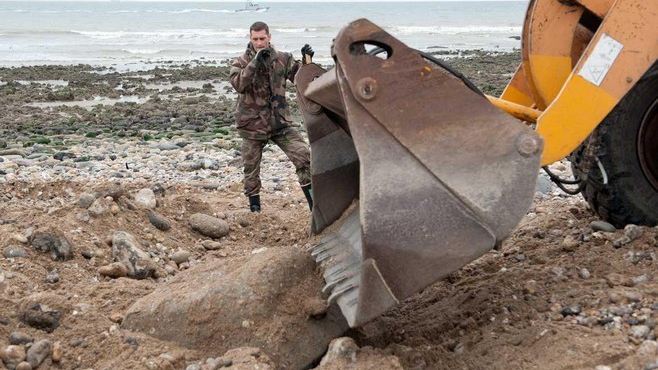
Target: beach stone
38	352
343	347
57	352
639	331
58	247
211	245
12	355
3	143
12	152
114	270
208	225
180	257
160	222
41	317
19	238
52	277
60	156
18	337
125	249
633	231
14	252
602	226
24	366
246	294
99	208
165	146
146	198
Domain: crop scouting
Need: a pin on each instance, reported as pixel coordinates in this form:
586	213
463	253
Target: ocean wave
294	30
450	30
143	51
196	10
163	34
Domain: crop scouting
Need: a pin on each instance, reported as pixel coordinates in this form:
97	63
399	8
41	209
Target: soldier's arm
242	74
293	68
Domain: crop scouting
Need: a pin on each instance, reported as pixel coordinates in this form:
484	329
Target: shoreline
88	124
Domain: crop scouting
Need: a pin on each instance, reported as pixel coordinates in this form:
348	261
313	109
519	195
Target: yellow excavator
416	172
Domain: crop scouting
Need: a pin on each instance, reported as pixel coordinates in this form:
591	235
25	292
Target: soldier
259	76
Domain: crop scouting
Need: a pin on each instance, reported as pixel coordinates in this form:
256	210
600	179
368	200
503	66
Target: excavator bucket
414	174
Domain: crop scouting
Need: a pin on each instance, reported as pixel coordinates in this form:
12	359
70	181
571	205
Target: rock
41	317
639	331
86	200
530	287
24	366
158	189
125	249
344	347
633	231
39	352
571	310
60	156
570	243
184	308
146	198
18	337
584	273
58	247
211	245
99	208
3	143
14	252
602	226
52	277
114	270
208	225
544	184
57	352
164	146
180	257
12	355
20	238
160	222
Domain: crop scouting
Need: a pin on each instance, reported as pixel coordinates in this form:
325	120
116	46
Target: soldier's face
259	39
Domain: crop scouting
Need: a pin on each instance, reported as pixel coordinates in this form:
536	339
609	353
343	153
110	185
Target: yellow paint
517	96
549	73
516	110
566	123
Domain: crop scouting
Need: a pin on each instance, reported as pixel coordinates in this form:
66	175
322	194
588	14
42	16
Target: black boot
308	192
254	203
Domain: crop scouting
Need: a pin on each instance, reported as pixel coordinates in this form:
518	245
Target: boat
253	7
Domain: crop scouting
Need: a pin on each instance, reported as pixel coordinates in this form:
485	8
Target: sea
130	34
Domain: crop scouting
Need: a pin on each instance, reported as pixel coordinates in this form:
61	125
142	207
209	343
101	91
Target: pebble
343	347
58	247
180	257
571	310
114	270
146	198
24	366
38	352
602	226
159	221
211	245
530	287
208	225
12	355
52	277
41	317
633	231
57	351
18	337
85	200
584	273
639	331
14	252
20	238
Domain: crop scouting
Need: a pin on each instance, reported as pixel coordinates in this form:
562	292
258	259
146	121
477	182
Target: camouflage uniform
263	114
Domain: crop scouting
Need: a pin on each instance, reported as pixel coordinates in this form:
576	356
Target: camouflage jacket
262	107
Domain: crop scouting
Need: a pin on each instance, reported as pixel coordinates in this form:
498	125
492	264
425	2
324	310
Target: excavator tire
626	146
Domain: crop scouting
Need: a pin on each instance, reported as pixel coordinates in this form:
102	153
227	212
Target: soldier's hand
263	56
307	54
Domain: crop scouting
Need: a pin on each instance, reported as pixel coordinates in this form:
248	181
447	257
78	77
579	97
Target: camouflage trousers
291	142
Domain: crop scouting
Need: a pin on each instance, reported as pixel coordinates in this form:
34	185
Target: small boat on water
253	7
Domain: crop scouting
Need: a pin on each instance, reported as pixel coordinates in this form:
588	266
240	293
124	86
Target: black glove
263	55
307	50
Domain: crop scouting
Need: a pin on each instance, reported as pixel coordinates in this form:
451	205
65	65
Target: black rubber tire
626	144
